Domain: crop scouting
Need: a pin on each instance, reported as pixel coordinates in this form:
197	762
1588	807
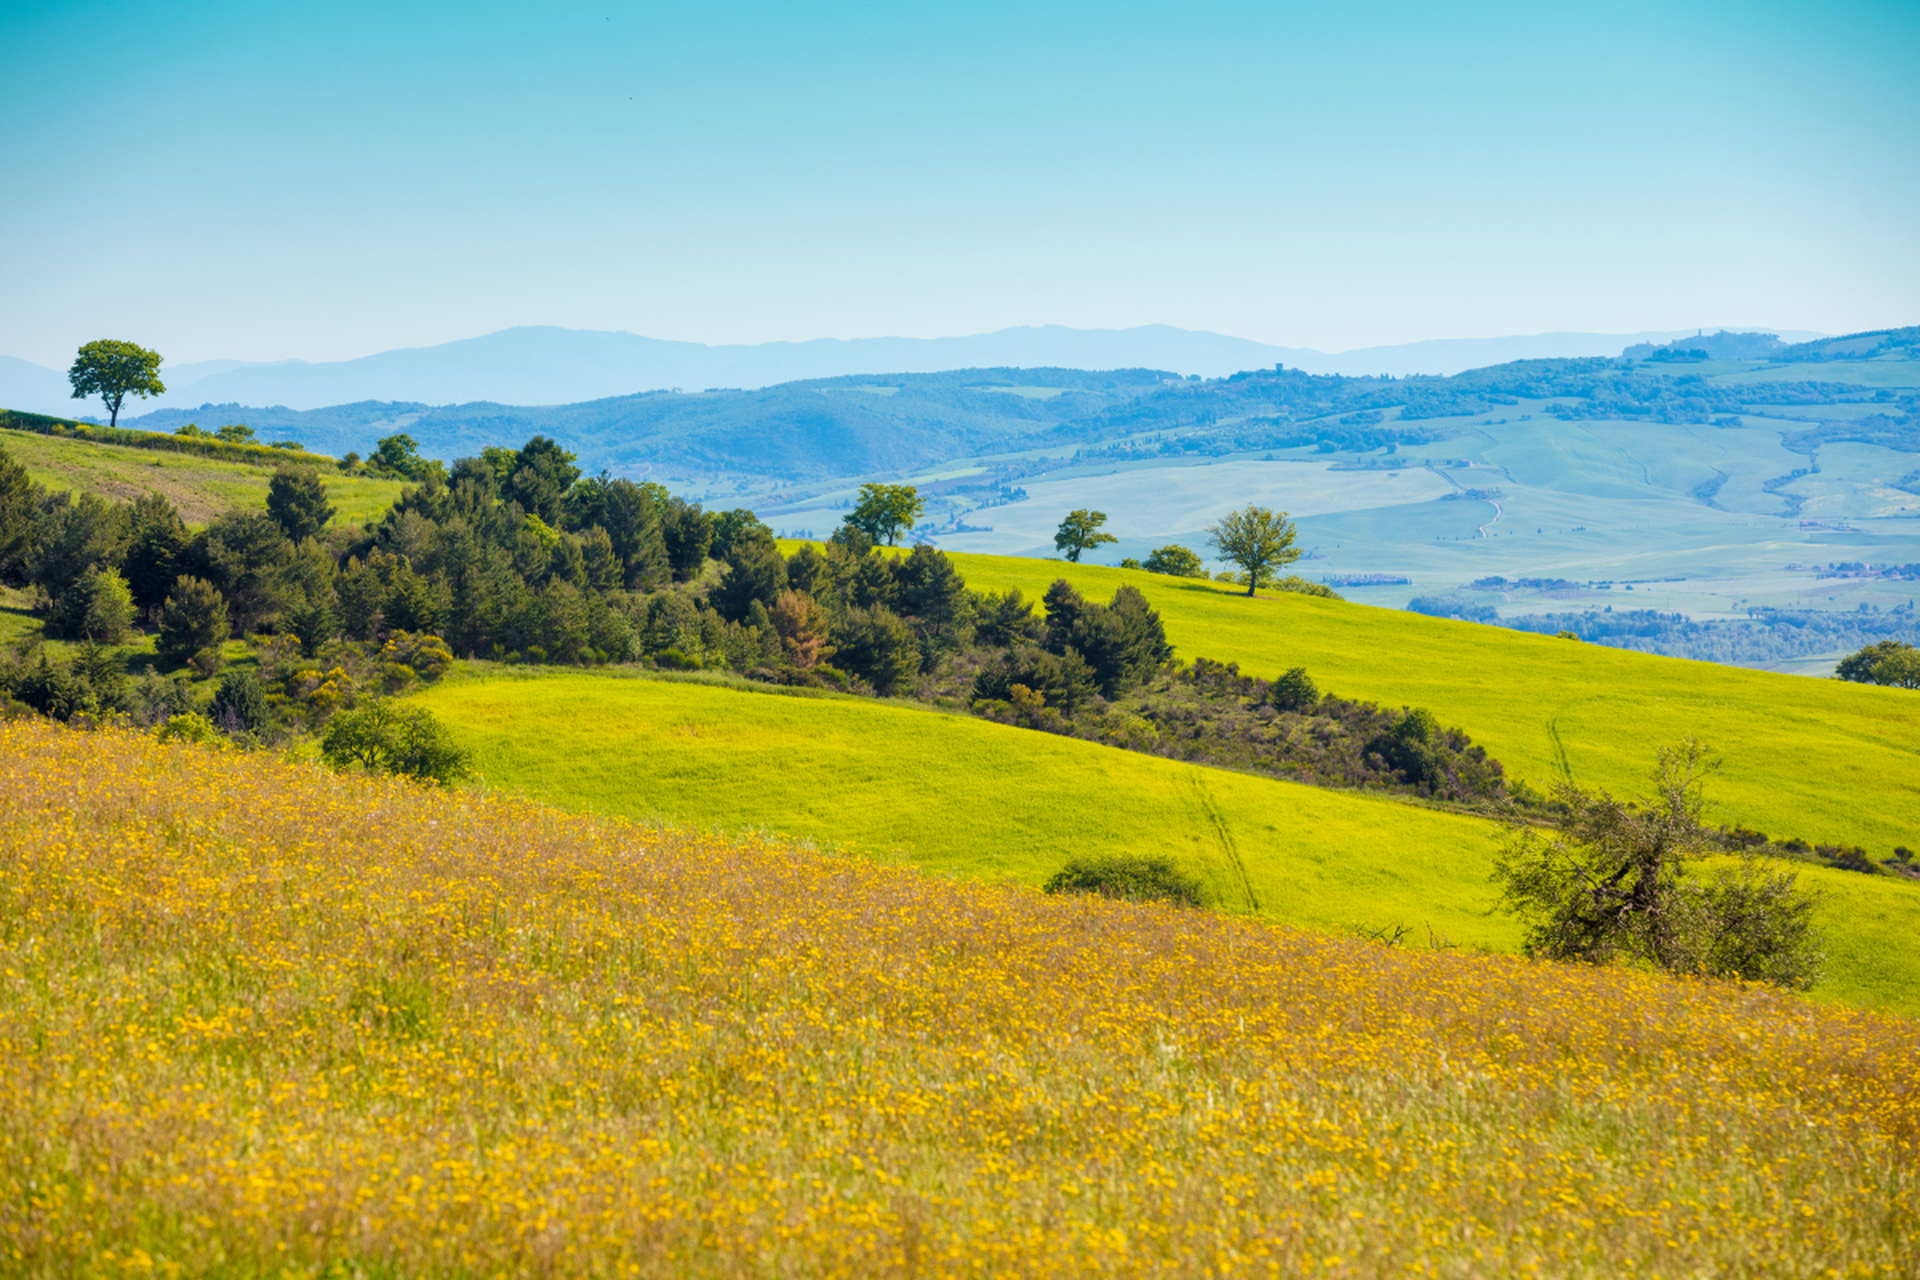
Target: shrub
240	705
1294	691
1176	561
1133	877
382	737
1616	884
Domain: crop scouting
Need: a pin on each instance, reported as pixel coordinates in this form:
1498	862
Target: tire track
1211	812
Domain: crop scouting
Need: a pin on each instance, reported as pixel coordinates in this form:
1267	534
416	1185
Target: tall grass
259	1020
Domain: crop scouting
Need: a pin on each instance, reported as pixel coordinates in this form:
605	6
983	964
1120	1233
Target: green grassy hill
201	488
965	797
1820	759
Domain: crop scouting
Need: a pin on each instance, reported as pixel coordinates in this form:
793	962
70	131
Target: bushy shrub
383	737
1130	876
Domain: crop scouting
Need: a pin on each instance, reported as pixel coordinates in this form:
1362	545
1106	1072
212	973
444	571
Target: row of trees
1259	540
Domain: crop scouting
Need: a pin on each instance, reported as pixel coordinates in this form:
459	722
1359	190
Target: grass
200	488
962	797
1820	759
258	1020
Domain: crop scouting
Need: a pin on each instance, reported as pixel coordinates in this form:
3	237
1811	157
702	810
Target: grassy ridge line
200	487
130	438
967	798
256	1019
1821	759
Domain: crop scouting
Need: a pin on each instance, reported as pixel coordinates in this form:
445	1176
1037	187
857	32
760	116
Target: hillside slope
257	1019
967	798
1820	759
199	488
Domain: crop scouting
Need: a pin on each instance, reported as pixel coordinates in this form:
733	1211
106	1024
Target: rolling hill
1827	761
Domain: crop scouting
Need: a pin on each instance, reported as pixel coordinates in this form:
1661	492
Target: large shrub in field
1136	879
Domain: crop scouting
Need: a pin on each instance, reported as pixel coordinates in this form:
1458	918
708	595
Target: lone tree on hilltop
885	511
1260	541
1080	531
114	370
1616	884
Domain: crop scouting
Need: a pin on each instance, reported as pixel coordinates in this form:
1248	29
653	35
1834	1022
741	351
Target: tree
878	647
1890	662
802	627
398	455
1080	532
1616	883
382	737
1294	691
1260	541
755	571
1176	561
154	551
16	515
542	472
97	607
297	501
236	433
73	535
885	511
113	371
192	622
687	533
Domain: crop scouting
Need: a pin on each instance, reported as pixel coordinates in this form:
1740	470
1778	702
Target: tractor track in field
1211	812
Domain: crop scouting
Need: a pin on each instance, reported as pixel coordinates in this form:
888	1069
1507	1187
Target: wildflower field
257	1020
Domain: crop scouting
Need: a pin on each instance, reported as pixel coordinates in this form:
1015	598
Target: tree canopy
1080	532
885	511
1257	539
114	370
1890	662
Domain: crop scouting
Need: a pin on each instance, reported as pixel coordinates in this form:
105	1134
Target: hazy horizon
252	182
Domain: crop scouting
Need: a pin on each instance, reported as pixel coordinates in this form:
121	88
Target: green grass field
201	488
1820	759
963	797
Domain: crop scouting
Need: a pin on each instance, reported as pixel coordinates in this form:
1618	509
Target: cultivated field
967	798
201	488
258	1020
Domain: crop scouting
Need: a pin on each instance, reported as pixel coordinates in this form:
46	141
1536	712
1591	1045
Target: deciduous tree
1080	532
1257	539
885	511
114	370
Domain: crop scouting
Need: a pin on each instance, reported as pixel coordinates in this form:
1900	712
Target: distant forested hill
894	423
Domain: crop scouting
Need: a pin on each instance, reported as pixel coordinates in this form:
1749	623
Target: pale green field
1820	759
201	488
959	796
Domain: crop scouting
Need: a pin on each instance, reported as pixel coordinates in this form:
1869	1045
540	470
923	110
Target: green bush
1132	877
382	737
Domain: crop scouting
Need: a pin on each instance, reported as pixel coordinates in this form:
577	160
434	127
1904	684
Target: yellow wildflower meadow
260	1020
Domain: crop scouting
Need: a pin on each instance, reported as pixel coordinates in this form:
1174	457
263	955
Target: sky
265	181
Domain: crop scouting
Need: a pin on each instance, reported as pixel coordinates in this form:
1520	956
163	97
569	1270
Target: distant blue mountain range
553	366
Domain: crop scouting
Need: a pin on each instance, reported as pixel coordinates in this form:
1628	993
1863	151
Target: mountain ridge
548	365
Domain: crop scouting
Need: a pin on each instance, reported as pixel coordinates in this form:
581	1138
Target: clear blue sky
271	180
